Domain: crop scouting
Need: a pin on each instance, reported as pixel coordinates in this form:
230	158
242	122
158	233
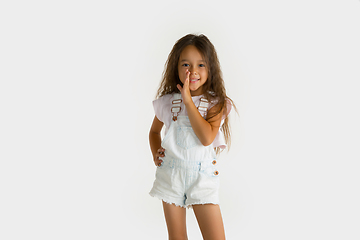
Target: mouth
193	80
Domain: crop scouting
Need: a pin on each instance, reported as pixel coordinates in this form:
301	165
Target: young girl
193	105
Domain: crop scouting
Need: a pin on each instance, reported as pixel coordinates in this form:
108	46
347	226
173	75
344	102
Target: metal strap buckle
176	105
176	101
203	106
175	109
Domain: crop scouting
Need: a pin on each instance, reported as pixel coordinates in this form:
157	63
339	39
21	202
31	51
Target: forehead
192	52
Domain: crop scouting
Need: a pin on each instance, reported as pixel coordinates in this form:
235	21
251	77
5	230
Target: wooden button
216	173
214	162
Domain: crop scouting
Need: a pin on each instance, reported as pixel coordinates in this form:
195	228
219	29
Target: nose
193	70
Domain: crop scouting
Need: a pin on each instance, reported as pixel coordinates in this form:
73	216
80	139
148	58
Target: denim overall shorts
188	174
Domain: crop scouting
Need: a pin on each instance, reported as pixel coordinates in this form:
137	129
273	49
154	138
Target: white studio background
77	82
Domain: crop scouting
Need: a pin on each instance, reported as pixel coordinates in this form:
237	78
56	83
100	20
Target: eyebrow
185	60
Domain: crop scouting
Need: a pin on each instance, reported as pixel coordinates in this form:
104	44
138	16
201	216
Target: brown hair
213	88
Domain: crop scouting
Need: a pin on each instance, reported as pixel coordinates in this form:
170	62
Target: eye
201	65
185	65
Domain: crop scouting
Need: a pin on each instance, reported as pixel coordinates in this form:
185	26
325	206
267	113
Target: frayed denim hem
153	194
189	206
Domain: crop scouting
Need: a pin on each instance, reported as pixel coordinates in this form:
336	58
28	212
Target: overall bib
188	173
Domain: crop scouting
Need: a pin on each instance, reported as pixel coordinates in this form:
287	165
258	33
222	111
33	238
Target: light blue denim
188	174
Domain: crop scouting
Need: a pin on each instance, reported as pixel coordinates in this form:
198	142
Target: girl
193	105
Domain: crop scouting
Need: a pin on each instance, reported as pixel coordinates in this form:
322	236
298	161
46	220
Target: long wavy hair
213	88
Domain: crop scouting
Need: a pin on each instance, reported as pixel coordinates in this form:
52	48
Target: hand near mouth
185	90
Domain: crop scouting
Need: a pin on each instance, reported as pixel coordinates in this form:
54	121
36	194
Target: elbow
153	134
206	142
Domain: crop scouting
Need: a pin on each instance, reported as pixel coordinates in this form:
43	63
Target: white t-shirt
162	107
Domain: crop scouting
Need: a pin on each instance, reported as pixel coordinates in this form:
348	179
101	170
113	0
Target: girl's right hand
159	153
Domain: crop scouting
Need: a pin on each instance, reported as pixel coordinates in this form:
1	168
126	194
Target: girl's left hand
185	90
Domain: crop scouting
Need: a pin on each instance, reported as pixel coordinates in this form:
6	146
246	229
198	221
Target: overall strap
203	106
176	106
175	109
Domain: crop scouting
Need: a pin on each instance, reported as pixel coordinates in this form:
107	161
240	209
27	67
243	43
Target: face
191	60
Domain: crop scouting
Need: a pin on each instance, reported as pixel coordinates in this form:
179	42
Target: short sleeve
219	140
157	108
228	108
162	108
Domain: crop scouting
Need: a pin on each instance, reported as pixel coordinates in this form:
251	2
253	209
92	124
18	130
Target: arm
205	130
155	140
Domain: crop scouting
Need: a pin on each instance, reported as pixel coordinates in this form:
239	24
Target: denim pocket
211	172
166	162
186	138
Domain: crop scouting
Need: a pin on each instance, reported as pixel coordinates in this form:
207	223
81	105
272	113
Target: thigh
210	221
175	217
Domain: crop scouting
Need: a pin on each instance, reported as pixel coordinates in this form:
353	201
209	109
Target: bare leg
210	221
176	221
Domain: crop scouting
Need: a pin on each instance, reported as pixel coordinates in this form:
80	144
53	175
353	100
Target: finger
187	74
158	163
186	84
161	151
158	156
187	80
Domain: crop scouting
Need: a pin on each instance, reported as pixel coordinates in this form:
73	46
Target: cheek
205	74
182	73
